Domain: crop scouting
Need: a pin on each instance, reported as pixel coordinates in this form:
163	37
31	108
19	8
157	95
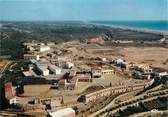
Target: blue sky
85	10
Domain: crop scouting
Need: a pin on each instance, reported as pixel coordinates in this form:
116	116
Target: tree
62	101
110	84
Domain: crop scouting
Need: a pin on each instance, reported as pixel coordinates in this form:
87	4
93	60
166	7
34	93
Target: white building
67	112
161	74
55	69
98	72
119	61
43	48
43	69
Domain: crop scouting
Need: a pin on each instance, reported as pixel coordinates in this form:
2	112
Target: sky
83	10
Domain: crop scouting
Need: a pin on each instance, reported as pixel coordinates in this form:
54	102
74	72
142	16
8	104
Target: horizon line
73	20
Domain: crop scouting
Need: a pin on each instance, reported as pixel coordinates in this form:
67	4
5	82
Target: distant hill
13	33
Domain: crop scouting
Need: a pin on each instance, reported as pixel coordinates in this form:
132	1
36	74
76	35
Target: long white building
67	112
43	69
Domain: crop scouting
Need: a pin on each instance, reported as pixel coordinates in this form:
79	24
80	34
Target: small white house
69	65
55	69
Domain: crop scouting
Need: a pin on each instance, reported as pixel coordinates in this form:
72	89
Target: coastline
143	30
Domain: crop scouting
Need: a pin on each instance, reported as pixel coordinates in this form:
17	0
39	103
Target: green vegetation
11	45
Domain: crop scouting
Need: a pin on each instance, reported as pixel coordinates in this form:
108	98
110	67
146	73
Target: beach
136	29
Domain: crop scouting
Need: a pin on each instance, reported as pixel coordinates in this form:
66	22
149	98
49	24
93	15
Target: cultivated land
156	56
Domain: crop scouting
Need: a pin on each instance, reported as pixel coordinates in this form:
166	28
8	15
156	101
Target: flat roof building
67	112
43	69
68	84
84	77
55	69
97	72
31	56
107	71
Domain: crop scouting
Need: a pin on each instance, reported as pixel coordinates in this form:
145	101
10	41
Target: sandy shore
144	30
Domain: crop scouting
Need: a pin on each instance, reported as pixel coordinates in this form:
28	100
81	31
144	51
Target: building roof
62	112
9	94
33	61
42	66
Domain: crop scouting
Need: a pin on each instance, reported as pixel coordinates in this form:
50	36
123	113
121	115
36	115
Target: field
156	56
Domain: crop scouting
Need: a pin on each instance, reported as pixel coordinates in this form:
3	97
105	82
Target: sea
161	26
